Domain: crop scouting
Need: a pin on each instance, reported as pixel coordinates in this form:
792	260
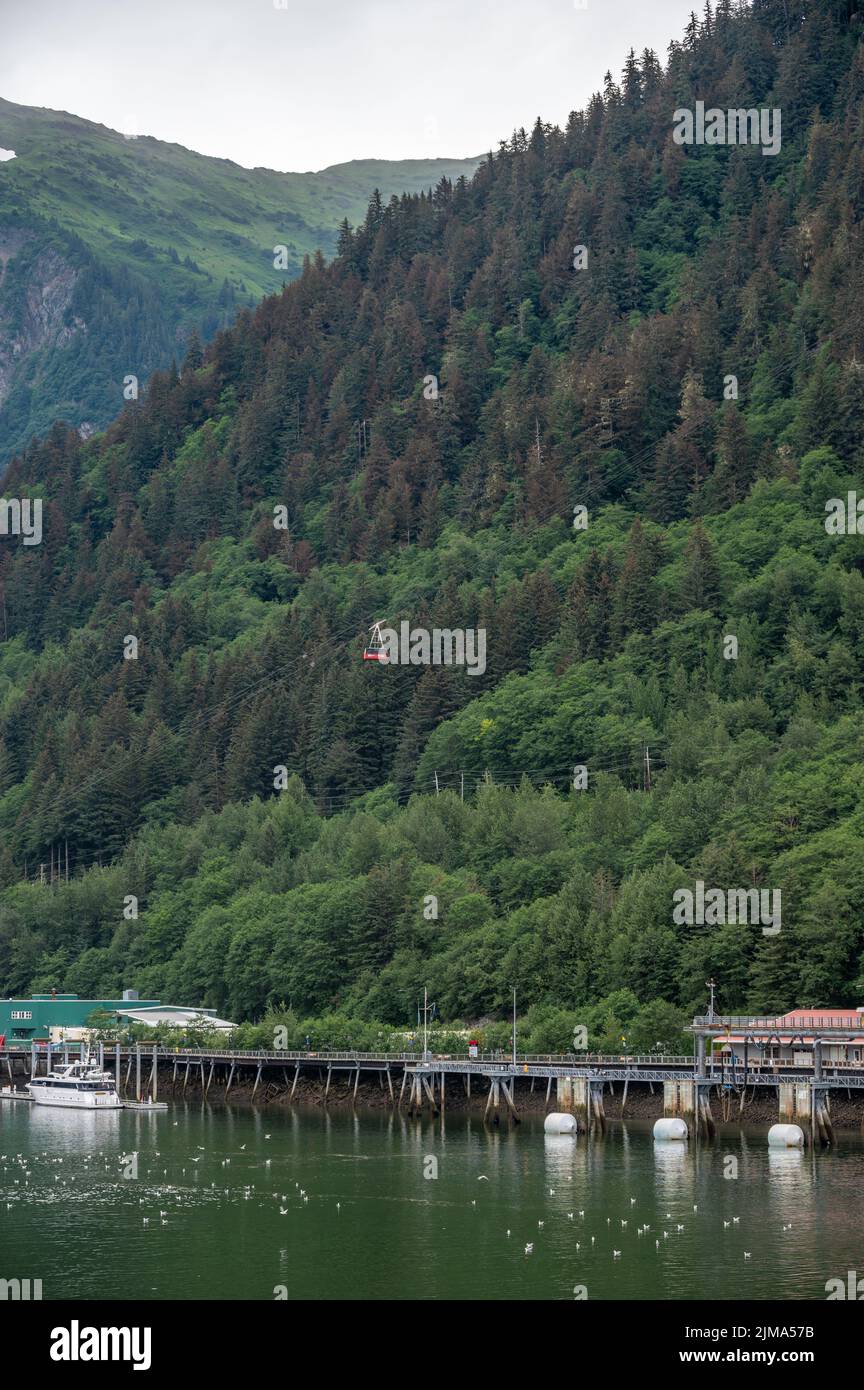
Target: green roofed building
57	1017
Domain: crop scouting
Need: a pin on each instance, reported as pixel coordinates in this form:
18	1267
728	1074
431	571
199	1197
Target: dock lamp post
514	1027
712	985
426	1008
425	1024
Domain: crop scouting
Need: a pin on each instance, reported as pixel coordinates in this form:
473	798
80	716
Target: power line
338	802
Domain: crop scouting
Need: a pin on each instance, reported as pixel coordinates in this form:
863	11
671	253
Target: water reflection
343	1205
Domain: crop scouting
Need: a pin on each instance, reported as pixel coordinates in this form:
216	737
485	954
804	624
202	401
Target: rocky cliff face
34	303
149	242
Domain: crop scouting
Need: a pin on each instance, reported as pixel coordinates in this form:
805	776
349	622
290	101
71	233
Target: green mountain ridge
114	249
257	820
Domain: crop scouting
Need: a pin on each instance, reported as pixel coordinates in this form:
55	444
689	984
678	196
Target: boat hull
69	1100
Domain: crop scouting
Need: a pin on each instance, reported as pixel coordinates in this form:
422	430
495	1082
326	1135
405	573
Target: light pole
711	985
426	1008
425	1023
514	1027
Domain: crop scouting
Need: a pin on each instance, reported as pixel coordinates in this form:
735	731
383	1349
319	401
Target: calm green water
69	1217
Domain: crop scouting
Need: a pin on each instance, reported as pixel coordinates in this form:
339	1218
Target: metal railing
797	1023
522	1058
715	1063
502	1055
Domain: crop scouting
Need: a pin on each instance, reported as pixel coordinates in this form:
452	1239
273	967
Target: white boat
81	1086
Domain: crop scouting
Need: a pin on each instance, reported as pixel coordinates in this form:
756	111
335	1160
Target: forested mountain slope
115	247
608	388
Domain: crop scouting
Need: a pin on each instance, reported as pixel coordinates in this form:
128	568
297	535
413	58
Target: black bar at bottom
184	1340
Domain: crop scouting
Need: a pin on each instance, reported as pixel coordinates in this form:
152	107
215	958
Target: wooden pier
419	1084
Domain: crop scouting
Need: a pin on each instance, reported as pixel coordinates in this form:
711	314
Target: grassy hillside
161	777
116	248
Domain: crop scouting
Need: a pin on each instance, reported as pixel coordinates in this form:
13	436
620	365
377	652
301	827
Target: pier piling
689	1083
598	1114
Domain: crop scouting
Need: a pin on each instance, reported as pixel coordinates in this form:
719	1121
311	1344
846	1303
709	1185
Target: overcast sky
322	81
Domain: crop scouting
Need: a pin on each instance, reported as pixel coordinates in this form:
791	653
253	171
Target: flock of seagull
105	1161
677	1229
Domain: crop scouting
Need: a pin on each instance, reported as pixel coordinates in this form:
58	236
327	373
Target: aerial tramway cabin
374	649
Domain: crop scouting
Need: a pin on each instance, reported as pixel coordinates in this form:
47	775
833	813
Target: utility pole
362	440
647	769
427	1009
425	1023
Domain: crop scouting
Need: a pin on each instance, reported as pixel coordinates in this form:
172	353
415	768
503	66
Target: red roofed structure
789	1037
